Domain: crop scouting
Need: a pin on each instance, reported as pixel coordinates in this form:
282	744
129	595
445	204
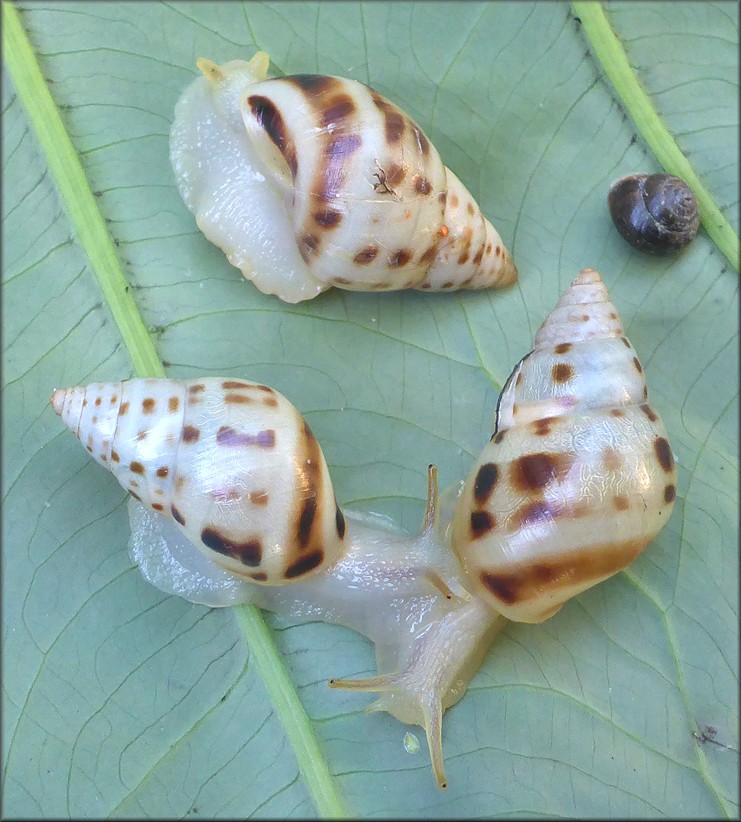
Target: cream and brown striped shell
232	462
309	181
578	477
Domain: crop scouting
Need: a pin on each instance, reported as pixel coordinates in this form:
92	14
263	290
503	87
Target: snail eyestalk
210	70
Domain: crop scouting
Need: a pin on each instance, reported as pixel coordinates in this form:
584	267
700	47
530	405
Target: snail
310	181
655	213
232	503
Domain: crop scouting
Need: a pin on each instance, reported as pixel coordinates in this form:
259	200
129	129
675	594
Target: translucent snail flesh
577	479
309	181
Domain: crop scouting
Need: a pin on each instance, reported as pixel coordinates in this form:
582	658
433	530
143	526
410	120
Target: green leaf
120	701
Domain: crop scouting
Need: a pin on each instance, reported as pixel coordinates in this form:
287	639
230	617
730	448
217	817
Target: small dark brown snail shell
655	213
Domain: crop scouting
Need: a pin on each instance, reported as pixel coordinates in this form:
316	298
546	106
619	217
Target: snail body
575	482
309	181
655	213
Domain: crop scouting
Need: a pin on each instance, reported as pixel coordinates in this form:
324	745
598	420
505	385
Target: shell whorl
232	462
578	477
366	198
655	213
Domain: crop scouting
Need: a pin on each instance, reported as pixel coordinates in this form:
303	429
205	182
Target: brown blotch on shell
481	523
611	459
648	411
542	427
365	256
197	388
176	515
562	348
625	341
305	564
486	479
393	119
136	467
191	433
259	497
237	399
148	405
306	521
339	519
248	552
664	454
395	175
98	400
617	412
123	409
498	436
479	256
398	259
447	284
173	404
114	399
422	185
533	513
336	109
470	209
429	254
162	471
562	372
308	245
230	437
258	576
670	493
115	457
330	178
309	479
314	84
157	506
571	568
637	365
270	402
271	120
135	496
235	385
327	218
142	435
535	471
621	502
341	280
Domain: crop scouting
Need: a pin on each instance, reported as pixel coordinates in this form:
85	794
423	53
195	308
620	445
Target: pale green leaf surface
119	701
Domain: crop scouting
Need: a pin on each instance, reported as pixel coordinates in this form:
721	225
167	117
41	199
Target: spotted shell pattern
230	461
309	181
578	477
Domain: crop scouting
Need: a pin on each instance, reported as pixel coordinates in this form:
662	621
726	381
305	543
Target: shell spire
584	312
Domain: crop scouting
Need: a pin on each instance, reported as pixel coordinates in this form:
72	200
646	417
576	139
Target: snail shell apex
655	213
309	181
578	477
232	462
